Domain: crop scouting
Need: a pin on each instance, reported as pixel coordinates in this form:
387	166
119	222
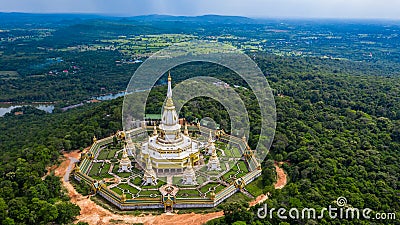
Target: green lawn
128	187
201	179
236	152
103	154
95	169
116	190
242	166
190	193
219	188
206	187
147	193
227	175
256	187
104	171
137	181
112	152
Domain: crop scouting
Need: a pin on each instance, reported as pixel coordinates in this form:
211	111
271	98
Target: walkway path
169	180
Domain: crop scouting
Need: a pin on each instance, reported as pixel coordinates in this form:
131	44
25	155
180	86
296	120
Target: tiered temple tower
210	145
170	151
189	176
125	162
150	177
213	163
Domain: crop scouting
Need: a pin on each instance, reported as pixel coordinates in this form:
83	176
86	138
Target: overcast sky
251	8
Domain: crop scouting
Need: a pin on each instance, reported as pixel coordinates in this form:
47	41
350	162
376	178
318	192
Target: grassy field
147	193
188	193
95	169
256	187
208	187
128	187
137	181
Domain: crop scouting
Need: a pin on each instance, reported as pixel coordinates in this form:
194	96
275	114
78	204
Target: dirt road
282	179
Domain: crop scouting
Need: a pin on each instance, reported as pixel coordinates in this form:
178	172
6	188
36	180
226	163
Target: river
7	108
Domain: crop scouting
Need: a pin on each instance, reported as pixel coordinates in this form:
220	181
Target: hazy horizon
263	9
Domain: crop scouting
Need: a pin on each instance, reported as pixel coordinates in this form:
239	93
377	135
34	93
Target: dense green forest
339	129
34	141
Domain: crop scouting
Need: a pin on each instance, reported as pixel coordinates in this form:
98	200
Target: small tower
213	163
150	177
189	176
210	145
94	139
186	131
125	162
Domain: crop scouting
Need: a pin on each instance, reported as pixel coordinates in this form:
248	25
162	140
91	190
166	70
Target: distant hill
10	20
13	19
204	18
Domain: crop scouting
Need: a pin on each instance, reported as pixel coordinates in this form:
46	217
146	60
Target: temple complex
163	165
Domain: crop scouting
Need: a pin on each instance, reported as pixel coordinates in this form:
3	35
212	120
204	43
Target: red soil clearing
282	179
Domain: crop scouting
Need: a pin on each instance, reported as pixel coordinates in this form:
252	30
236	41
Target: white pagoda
125	162
150	177
170	150
189	176
210	145
213	162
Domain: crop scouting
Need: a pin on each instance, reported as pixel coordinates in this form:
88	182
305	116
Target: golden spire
169	103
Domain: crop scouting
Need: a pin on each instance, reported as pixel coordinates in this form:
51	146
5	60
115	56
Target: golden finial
123	197
212	195
169	76
94	139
